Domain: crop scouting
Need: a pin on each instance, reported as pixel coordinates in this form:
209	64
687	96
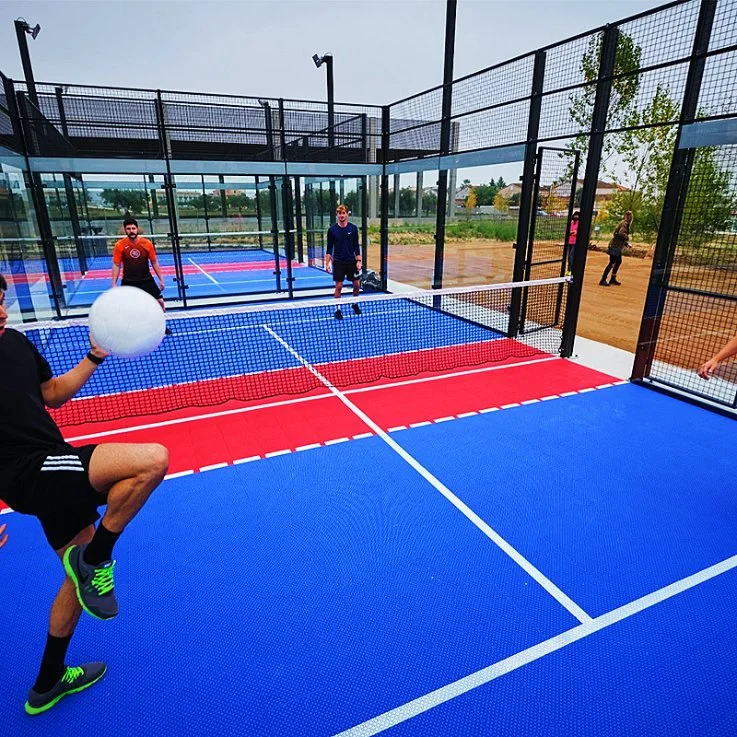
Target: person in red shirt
133	254
572	235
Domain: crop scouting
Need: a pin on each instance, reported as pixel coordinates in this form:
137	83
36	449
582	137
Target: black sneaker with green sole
74	680
94	584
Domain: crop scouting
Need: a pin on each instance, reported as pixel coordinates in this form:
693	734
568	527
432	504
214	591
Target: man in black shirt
63	486
344	256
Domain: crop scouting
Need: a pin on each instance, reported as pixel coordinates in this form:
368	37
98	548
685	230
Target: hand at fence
708	368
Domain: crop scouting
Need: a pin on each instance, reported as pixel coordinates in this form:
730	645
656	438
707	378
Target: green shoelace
102	581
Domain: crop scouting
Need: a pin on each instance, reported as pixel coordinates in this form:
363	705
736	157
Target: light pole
22	27
327	60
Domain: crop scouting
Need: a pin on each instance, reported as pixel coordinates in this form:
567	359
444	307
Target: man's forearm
157	269
64	387
116	273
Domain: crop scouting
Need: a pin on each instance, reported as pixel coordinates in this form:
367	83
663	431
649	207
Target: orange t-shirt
134	255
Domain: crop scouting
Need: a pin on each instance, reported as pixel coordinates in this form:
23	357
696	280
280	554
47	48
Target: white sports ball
127	322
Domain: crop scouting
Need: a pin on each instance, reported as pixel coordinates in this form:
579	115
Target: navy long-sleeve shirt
343	242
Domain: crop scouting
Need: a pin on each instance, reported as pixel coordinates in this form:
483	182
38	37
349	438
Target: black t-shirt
25	426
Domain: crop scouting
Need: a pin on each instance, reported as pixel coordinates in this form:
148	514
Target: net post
528	186
287	204
678	180
384	228
591	175
445	124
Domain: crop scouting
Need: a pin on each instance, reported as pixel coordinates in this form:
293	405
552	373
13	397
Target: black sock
52	663
100	548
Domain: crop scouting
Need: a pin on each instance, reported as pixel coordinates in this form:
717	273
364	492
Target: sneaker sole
73	576
33	710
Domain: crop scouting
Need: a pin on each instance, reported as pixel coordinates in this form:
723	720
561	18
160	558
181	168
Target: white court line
336	441
177	475
199	268
213	466
517	557
513	662
246	460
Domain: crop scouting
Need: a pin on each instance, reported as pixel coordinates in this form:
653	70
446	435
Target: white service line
199	268
517	557
513	662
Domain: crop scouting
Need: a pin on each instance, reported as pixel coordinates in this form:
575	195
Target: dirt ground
609	315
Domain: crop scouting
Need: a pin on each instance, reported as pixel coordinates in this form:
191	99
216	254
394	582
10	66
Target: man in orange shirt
133	254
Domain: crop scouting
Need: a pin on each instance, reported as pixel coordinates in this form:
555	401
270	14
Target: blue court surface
562	568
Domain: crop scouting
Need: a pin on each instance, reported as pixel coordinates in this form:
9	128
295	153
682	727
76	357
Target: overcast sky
384	50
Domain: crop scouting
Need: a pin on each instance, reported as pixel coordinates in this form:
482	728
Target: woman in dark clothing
619	241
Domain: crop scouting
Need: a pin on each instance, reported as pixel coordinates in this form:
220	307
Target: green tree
500	183
501	203
407	201
429	203
710	200
130	200
470	203
485	193
623	94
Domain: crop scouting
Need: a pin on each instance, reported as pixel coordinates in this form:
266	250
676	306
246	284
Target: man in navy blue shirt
344	257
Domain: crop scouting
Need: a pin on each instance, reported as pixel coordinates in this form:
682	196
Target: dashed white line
363	435
212	467
311	446
530	401
568	394
246	460
178	474
510	405
466	414
549	397
488	409
443	419
397	428
336	441
275	453
424	423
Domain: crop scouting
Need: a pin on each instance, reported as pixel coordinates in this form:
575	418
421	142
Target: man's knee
157	460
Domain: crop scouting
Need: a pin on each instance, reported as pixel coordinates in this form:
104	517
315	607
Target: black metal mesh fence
699	315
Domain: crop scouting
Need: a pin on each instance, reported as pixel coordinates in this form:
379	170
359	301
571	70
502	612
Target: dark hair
575	215
130	221
3	283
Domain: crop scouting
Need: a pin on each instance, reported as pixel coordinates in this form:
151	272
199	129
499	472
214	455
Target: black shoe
614	282
338	314
94	584
356	309
167	331
603	283
74	680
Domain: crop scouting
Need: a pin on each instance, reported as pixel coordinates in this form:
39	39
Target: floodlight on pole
327	59
23	28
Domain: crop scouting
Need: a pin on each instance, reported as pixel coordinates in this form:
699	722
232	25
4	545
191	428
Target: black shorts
54	486
148	285
345	270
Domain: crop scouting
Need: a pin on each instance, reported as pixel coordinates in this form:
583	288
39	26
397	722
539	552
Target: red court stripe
218	440
421	402
227	438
